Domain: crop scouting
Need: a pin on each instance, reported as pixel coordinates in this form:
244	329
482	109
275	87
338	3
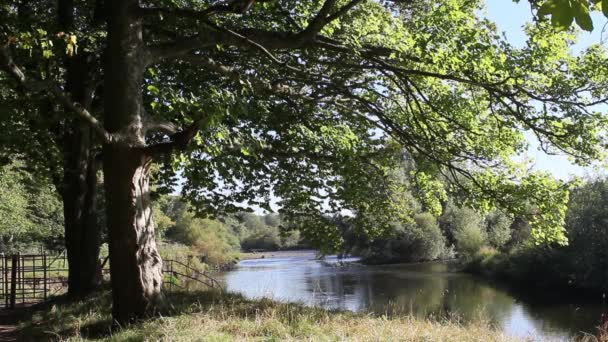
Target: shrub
498	226
424	238
211	239
266	240
420	240
469	234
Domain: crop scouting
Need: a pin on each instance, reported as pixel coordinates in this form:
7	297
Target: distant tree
31	213
586	223
272	220
498	225
469	232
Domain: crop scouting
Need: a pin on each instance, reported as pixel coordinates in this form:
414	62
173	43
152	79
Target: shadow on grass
90	318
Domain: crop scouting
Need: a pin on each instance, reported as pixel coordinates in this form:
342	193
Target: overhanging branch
261	40
9	66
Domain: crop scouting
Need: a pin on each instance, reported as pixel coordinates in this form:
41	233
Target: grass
216	316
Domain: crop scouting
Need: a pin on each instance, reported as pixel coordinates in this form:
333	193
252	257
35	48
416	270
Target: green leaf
547	8
153	89
562	17
581	14
605	7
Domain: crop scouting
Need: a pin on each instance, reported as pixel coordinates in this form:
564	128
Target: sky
510	17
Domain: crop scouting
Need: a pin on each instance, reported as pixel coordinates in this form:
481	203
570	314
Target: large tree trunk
79	185
82	233
135	264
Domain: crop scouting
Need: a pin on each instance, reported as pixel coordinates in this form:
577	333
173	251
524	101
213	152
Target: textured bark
135	264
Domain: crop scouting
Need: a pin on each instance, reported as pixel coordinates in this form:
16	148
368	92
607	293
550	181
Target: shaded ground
8	323
11	319
8	333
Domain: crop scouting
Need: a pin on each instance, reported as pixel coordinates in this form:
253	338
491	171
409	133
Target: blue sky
510	17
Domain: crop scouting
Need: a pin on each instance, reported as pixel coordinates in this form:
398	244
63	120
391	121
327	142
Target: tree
54	146
498	226
30	211
308	102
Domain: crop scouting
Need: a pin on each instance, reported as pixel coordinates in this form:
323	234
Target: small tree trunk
135	264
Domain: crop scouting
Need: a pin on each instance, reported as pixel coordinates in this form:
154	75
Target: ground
220	316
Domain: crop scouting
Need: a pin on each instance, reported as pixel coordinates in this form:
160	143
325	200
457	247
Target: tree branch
237	77
9	66
261	40
178	141
235	7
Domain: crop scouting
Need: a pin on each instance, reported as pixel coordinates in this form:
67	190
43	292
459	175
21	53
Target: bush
211	239
423	239
498	226
420	240
586	256
468	230
268	240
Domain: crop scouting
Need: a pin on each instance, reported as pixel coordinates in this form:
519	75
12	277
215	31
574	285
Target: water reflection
425	290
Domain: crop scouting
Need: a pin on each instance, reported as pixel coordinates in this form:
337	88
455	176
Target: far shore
274	254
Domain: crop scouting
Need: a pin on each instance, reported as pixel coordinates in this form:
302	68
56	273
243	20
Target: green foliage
498	226
31	214
582	264
210	239
423	239
264	239
469	232
315	122
587	228
564	12
415	241
217	241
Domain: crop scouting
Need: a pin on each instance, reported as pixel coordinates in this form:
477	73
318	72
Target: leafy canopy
309	103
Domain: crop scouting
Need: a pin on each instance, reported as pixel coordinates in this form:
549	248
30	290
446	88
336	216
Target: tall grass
215	316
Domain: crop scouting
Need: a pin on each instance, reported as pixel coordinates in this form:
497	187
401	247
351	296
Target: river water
424	290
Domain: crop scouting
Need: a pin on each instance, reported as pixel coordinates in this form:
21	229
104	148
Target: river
424	290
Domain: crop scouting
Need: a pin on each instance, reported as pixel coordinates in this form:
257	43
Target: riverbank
532	274
218	316
274	254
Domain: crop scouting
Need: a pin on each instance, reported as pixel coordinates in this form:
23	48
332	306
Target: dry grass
213	316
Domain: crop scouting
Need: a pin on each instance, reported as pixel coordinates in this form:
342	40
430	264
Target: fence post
14	265
21	277
44	274
34	276
5	280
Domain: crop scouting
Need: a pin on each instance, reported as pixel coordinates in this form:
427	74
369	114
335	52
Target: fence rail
32	278
179	273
